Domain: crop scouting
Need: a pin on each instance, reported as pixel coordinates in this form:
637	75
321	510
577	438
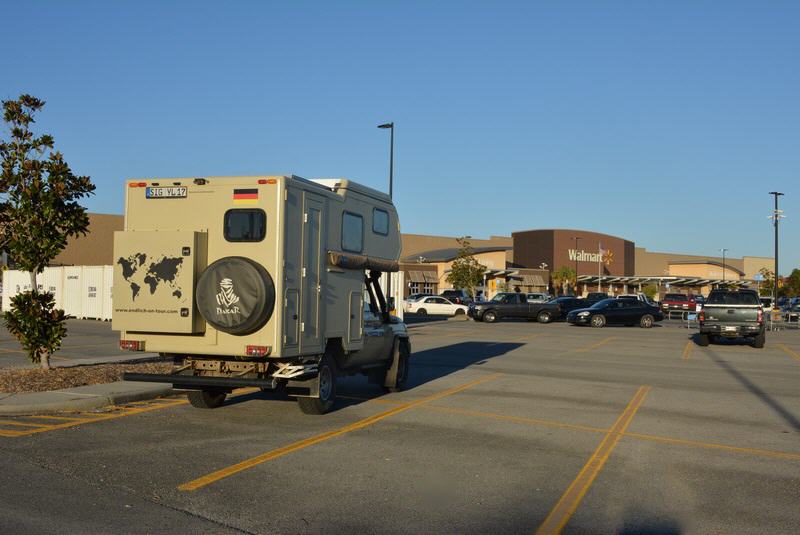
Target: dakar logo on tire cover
226	299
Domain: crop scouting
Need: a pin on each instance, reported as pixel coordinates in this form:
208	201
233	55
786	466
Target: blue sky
665	123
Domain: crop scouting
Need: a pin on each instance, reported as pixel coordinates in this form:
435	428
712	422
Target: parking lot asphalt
512	427
86	339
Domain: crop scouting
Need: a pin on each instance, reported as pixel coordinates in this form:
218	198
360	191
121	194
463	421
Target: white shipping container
52	280
73	291
108	291
92	286
14	282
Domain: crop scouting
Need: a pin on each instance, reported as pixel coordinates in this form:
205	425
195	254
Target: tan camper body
266	281
320	237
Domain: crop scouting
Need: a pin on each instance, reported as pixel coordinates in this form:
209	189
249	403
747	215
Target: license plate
171	192
729	328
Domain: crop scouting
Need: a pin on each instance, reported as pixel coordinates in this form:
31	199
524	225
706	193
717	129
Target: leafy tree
39	211
651	290
767	286
465	272
791	284
564	277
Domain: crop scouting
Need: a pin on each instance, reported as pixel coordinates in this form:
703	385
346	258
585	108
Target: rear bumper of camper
195	382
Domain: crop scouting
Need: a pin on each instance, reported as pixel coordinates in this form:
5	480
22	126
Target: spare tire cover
235	295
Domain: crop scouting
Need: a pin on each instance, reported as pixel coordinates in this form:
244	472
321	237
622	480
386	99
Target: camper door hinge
305	218
302	326
304	272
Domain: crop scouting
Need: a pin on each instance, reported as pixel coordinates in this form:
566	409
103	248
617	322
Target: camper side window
352	232
245	225
380	222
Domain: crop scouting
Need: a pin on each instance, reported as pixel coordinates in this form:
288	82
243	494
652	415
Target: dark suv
459	297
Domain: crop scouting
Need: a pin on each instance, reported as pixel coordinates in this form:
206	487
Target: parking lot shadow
771	402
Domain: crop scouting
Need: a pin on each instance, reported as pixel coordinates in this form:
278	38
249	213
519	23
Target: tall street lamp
723	264
576	238
776	217
390	126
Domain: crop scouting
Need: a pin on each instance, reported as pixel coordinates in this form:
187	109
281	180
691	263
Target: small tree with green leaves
766	286
465	272
39	211
650	291
563	277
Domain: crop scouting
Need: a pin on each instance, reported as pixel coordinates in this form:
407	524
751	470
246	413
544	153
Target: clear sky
665	123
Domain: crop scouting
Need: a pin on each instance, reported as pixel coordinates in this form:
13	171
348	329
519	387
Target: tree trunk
44	358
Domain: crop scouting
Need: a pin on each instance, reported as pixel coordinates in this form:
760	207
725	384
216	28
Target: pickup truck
513	305
678	302
732	314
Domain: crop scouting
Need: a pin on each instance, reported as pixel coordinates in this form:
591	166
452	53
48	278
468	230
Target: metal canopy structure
671	280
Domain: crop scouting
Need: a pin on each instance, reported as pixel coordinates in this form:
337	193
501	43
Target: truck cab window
243	225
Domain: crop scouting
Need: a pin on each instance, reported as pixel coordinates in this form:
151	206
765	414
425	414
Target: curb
142	392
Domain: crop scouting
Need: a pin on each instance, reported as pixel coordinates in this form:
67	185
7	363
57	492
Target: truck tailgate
733	315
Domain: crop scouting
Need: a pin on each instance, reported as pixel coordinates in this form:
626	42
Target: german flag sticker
245	196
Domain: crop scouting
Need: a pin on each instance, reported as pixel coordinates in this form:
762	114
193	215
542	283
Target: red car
678	302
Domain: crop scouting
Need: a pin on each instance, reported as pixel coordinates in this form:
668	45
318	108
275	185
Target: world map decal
158	273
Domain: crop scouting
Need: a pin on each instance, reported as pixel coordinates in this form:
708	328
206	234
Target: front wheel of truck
327	390
703	340
206	399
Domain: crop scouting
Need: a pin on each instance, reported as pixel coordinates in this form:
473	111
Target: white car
434	306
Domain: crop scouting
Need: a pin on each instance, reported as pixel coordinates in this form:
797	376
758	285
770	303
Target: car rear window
733	298
245	225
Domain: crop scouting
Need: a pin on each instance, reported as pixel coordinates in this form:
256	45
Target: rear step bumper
194	382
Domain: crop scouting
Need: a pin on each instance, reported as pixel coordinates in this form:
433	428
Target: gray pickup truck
513	305
732	314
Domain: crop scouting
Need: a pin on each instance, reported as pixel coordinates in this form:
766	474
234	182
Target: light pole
576	238
390	126
723	264
776	217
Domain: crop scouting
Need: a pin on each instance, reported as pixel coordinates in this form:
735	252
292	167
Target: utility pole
776	217
390	126
576	238
723	265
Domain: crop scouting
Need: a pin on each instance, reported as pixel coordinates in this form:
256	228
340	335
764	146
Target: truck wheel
459	312
206	399
327	389
490	316
759	340
598	321
544	317
646	322
703	340
402	369
422	312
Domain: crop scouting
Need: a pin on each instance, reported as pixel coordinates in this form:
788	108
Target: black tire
402	368
490	316
235	295
646	321
422	312
703	340
544	317
598	321
759	340
206	399
459	312
327	389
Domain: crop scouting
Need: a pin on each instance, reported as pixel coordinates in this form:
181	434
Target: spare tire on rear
235	295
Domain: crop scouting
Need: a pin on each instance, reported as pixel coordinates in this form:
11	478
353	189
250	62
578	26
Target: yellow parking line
687	351
280	452
11	433
566	506
595	345
713	446
790	352
22	424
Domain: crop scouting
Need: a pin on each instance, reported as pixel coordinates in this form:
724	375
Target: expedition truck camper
267	282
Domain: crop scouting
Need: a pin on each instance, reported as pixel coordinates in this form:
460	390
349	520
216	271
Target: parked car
594	297
766	302
538	297
417	297
676	301
637	297
732	314
513	305
791	314
568	303
459	297
434	306
616	312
